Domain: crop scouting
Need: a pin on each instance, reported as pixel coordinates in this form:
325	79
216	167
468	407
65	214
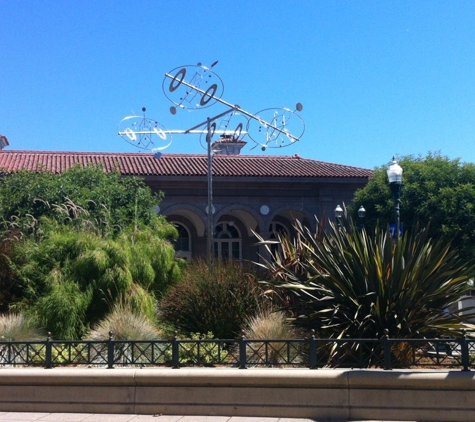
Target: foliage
436	190
63	308
356	283
79	196
18	327
217	301
10	290
73	277
124	324
152	259
200	352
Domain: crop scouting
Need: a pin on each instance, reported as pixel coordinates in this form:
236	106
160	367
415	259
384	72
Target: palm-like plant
346	282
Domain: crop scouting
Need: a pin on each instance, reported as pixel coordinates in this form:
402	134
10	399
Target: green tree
80	196
435	190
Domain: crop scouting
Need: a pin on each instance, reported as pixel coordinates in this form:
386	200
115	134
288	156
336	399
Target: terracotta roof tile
144	164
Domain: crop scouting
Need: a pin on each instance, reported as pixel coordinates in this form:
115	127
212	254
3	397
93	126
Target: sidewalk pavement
96	417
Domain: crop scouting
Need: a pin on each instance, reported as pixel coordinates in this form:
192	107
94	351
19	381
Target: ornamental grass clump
124	324
273	326
132	330
18	327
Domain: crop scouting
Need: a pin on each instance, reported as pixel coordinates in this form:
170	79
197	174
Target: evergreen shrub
219	300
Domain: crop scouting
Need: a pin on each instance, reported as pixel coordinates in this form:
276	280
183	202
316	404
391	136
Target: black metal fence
386	353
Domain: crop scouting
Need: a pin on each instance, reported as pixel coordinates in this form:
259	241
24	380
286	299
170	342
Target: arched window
227	241
274	229
182	243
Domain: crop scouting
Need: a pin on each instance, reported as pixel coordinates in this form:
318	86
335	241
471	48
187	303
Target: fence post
313	350
387	350
465	352
242	352
110	351
175	352
48	352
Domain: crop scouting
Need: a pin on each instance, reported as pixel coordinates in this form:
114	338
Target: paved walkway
90	417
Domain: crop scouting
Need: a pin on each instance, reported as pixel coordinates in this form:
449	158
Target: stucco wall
329	394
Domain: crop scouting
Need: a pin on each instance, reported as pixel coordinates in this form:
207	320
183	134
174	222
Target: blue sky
376	78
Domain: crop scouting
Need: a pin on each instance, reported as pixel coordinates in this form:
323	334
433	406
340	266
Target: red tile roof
144	164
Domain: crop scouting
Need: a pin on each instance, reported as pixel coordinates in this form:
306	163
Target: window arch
227	241
276	228
182	243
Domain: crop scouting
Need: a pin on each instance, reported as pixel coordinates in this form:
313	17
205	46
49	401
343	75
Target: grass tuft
125	324
18	327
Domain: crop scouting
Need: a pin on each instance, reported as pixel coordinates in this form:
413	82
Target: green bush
10	288
72	278
219	301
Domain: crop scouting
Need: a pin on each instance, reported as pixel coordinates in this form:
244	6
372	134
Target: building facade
250	194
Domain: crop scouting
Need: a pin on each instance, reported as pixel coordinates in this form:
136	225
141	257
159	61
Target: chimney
227	145
3	142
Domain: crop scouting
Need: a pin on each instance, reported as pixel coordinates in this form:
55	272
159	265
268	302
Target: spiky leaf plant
347	282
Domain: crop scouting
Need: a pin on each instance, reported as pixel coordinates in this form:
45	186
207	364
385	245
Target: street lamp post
395	182
338	215
361	216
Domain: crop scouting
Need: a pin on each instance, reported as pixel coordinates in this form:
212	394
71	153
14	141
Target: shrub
72	277
218	301
270	325
126	324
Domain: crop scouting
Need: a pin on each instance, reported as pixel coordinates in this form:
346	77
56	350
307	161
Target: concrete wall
330	394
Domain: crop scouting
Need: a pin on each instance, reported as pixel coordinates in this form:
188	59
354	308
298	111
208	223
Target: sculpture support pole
210	197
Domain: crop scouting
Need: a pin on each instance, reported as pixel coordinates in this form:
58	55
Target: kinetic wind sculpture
197	87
